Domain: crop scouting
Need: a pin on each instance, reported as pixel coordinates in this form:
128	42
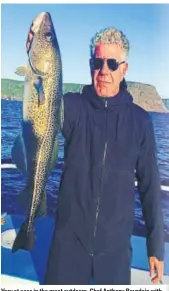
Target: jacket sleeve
150	194
71	112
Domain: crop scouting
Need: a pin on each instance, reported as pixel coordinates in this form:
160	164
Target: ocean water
12	181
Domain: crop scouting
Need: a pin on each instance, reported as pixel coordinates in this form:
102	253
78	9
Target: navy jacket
107	140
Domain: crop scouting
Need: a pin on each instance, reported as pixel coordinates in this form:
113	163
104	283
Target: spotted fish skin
35	152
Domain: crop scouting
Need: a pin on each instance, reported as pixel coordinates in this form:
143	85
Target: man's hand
2	220
156	269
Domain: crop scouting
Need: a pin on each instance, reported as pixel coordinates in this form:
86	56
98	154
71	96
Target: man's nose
105	69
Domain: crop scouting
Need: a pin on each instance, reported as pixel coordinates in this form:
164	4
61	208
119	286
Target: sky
145	25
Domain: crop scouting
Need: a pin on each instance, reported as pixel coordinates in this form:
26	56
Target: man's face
106	82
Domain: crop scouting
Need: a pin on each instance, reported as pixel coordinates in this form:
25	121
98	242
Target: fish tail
25	239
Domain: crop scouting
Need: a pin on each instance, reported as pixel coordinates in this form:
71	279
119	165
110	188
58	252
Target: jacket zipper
98	197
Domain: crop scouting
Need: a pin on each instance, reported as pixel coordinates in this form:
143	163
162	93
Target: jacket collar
122	97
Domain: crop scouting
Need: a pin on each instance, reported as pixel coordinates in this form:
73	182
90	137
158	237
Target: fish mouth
44	19
35	26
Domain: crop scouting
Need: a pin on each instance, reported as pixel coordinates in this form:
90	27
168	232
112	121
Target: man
107	139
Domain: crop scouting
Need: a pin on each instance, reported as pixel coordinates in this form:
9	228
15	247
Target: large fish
35	150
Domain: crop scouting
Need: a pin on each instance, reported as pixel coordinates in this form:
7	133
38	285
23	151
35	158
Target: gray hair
110	36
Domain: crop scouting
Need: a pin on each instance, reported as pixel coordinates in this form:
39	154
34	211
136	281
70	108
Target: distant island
143	94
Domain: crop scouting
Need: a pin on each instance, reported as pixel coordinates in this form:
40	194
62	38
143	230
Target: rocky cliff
147	97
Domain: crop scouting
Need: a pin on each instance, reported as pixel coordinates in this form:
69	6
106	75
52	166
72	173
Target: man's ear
124	70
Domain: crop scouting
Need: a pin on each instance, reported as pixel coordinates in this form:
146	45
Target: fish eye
49	36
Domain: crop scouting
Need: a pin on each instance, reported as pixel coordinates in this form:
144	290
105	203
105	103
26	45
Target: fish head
44	49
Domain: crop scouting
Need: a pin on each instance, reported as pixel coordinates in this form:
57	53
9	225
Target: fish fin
25	200
38	84
41	97
19	154
25	239
22	71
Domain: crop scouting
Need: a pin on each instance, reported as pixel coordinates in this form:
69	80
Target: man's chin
103	92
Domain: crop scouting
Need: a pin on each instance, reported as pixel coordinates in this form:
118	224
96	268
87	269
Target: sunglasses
111	63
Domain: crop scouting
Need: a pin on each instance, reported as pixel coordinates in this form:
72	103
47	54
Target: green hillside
13	88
